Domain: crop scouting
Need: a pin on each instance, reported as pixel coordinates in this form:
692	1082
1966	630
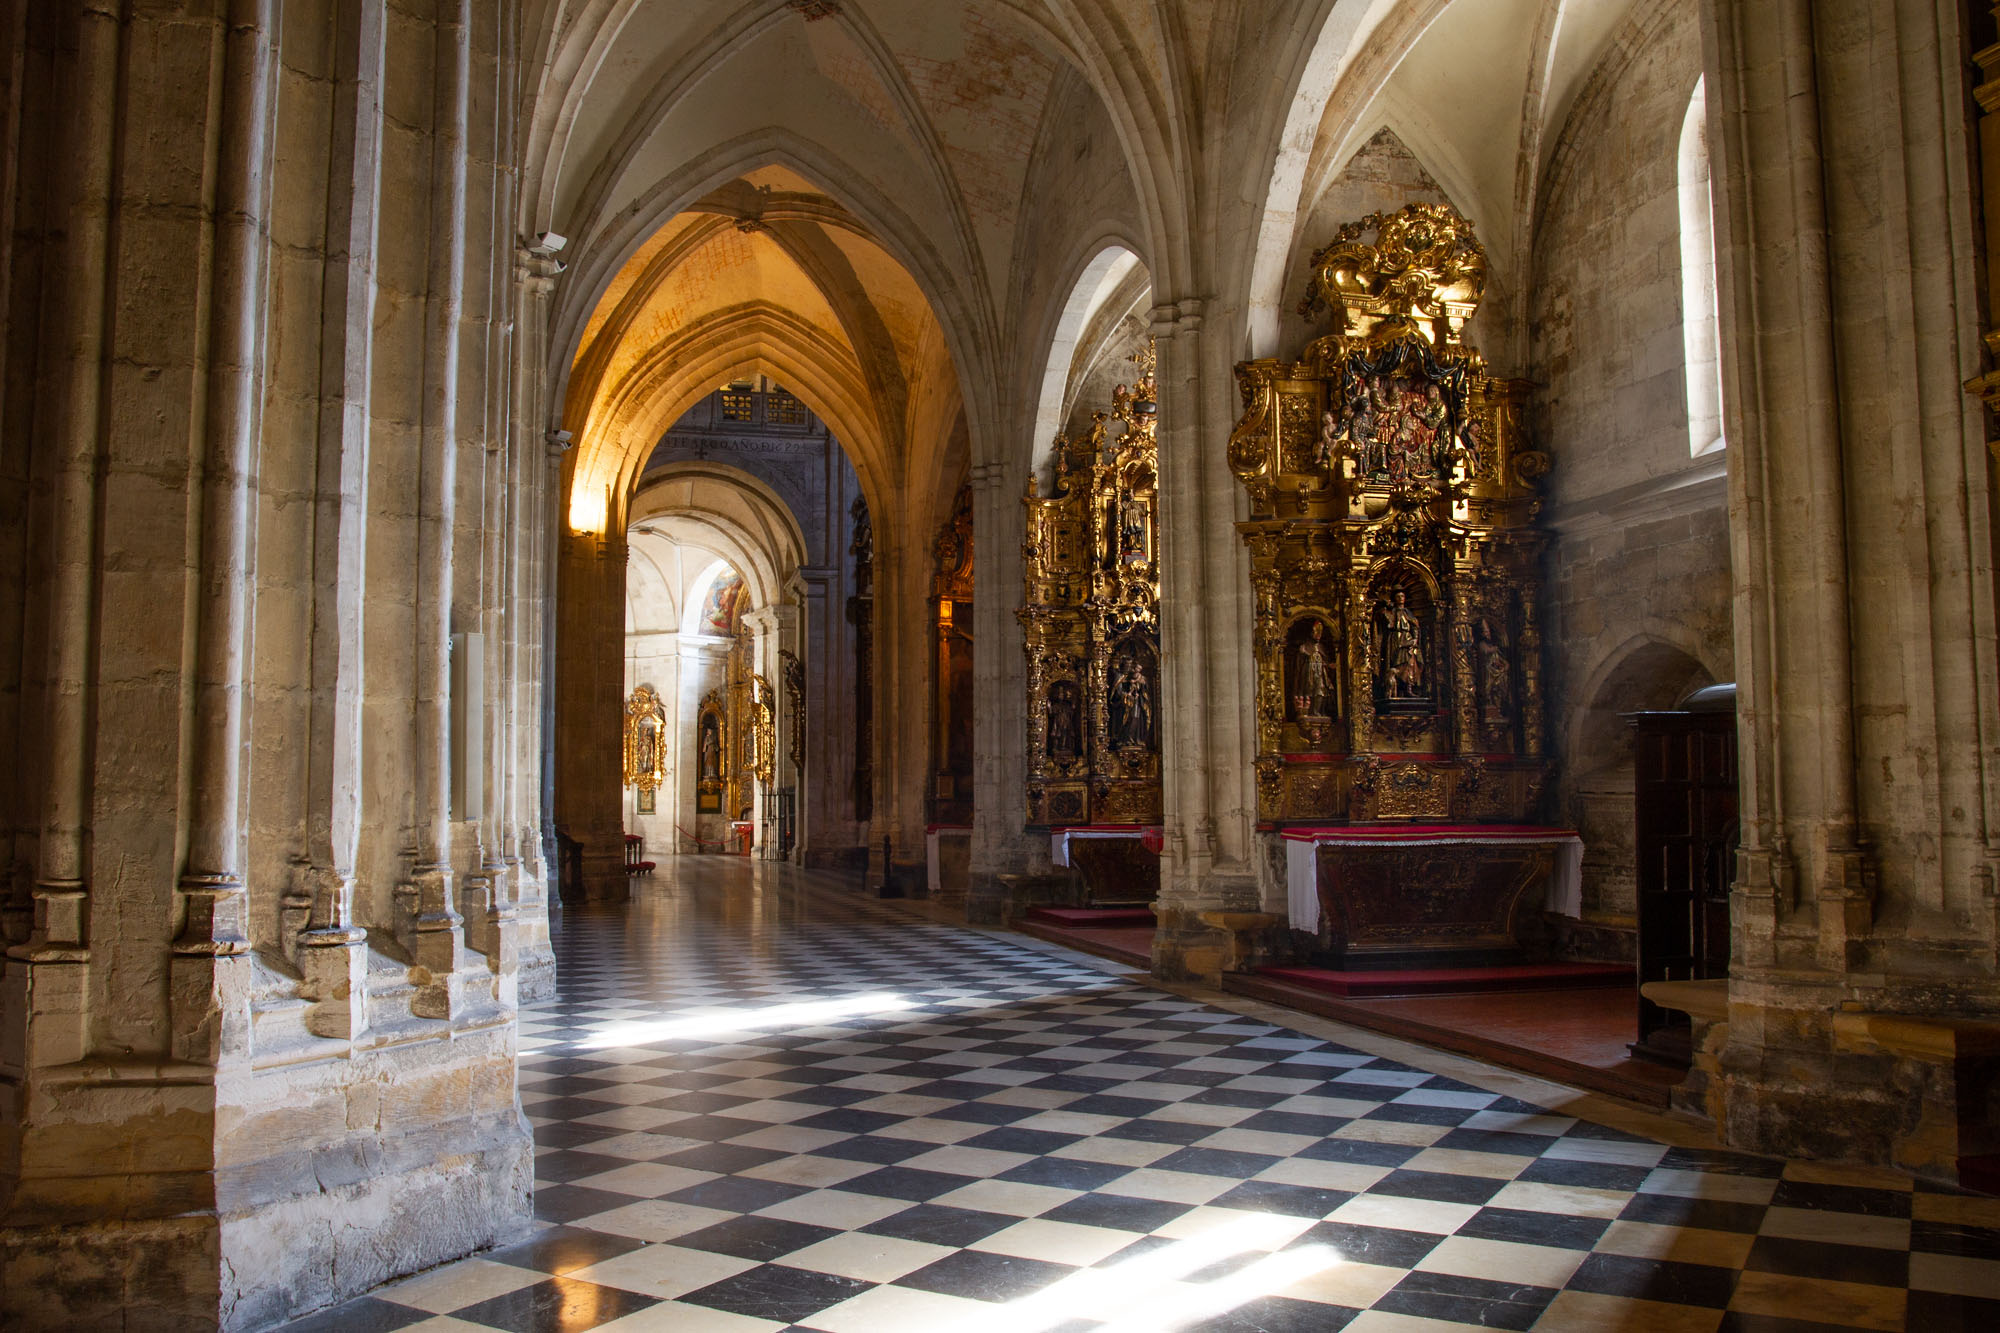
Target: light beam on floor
806	1014
1131	1297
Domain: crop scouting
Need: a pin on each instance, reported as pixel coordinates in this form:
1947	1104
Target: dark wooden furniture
1684	798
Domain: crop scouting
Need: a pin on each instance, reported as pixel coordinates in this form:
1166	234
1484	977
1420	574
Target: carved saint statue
1313	687
1131	527
1403	649
646	748
711	750
1132	707
1063	728
1496	675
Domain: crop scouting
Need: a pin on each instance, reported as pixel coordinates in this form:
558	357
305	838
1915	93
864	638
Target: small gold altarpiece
1395	561
1090	620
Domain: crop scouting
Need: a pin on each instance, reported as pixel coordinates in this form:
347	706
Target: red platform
1453	980
1093	918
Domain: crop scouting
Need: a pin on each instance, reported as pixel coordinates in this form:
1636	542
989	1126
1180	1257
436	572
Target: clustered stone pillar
1204	790
274	860
1860	511
1000	851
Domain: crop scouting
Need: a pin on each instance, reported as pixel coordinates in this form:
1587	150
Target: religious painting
647	804
723	607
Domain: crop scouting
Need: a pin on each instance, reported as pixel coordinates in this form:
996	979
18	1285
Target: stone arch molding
731	513
1098	282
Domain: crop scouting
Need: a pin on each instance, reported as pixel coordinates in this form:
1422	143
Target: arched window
1700	330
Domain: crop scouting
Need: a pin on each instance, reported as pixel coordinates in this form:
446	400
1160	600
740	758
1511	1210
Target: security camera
548	243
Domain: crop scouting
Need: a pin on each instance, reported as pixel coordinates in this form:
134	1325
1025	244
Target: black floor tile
558	1250
1467	1300
1276	1314
776	1292
555	1305
1842	1199
1700	1214
1525	1227
1587	1175
1386	1247
1366	1152
764	1238
1065	1173
1216	1162
727	1158
738	1194
1940	1312
981	1276
1655	1280
1849	1263
1271	1196
904	1182
1438	1185
940	1224
567	1203
1035	1142
1117	1211
871	1148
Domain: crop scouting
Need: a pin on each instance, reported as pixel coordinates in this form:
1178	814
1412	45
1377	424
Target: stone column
428	919
589	690
1204	693
1000	848
1861	544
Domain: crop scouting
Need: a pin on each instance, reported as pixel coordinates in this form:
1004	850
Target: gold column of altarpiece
1393	556
1090	620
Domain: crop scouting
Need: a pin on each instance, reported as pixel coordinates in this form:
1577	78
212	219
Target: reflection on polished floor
764	1102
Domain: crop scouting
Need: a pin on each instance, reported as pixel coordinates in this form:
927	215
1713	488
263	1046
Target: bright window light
805	1014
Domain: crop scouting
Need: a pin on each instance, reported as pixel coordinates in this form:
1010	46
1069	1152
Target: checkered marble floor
764	1102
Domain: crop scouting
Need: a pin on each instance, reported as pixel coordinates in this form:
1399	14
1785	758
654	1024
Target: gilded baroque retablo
1090	620
1395	557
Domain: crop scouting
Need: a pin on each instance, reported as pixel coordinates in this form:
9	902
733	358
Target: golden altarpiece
645	748
1395	567
1090	621
735	738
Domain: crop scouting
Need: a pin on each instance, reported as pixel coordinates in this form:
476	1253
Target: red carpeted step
1453	980
1092	918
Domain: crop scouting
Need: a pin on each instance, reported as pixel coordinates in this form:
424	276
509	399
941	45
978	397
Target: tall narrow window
1699	328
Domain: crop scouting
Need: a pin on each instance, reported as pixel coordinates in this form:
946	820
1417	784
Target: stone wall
1639	593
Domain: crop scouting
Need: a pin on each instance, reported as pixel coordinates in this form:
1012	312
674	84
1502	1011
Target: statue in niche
1131	528
646	745
1403	667
1314	689
1065	729
711	749
1496	674
1132	705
